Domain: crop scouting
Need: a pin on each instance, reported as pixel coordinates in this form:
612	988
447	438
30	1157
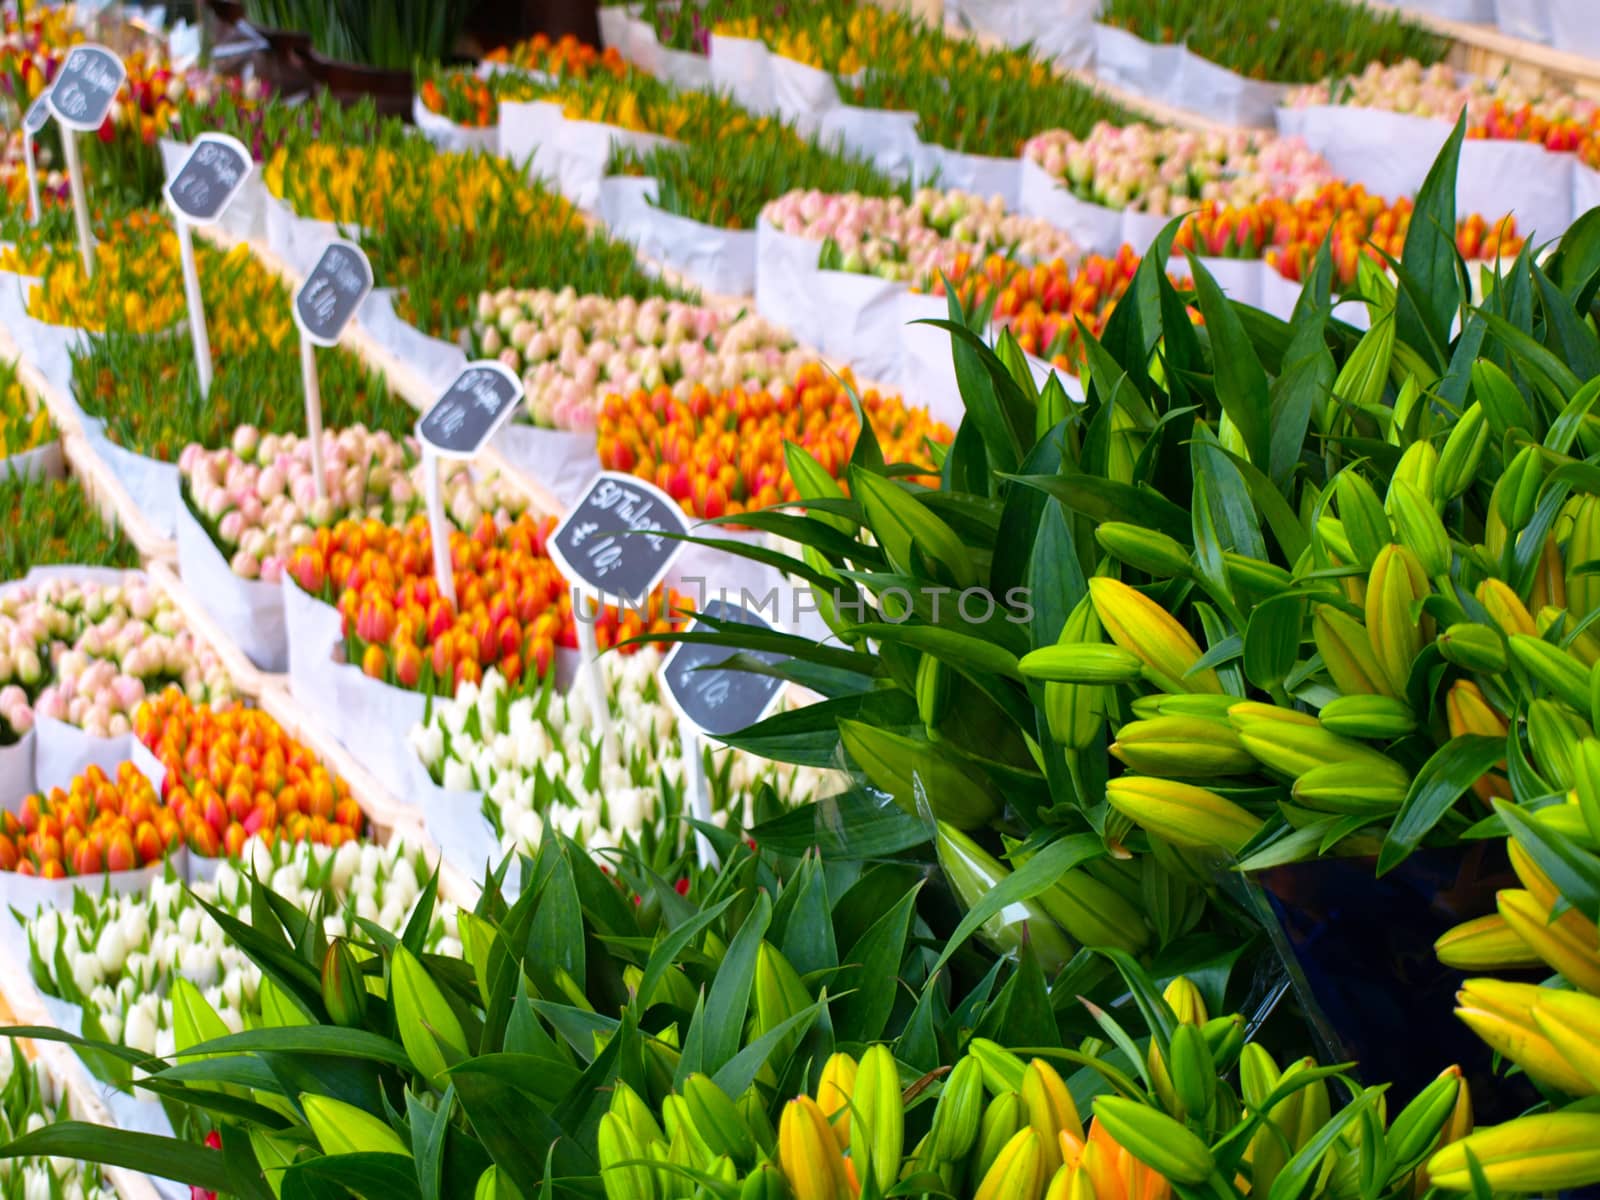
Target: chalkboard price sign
612	542
210	178
37	116
461	422
86	87
333	292
716	700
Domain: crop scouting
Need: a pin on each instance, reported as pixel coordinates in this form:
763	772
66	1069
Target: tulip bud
1084	663
620	1152
1485	944
1395	587
719	1124
834	1089
1017	1170
1553	669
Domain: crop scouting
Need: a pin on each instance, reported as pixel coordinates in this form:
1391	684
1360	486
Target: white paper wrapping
1131	62
1223	95
151	484
370	719
801	93
684	68
298	241
1388	152
564	463
1530	19
785	262
29	894
888	139
719	261
48	347
1094	227
62	751
435	360
249	611
448	136
741	67
1277	295
1061	30
980	173
1452	10
572	155
16	771
1239	278
1573	28
42	462
1523	178
1585	189
1139	229
927	367
456	823
613	26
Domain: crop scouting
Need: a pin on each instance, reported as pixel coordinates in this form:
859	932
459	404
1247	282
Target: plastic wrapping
1573	29
719	261
1060	30
564	463
249	611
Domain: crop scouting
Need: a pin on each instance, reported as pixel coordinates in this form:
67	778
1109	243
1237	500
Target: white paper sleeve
16	771
980	173
720	261
801	93
249	611
450	137
785	266
42	462
1239	278
1278	295
1530	19
888	139
563	462
1095	228
1388	152
1140	66
1585	189
740	67
1523	178
1061	30
436	360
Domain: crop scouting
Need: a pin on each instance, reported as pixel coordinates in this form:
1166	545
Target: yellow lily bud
1181	813
1546	1152
1141	626
808	1152
1486	944
1501	1013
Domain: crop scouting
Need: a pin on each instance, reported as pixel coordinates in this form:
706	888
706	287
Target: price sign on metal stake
323	306
83	92
460	423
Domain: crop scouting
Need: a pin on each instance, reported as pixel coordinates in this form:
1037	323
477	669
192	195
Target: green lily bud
1463	451
428	1025
717	1120
1553	668
1193	1072
342	1128
1150	551
1083	662
1155	1139
1367	717
1474	647
344	992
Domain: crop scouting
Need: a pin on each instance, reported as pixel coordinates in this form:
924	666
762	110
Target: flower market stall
827	601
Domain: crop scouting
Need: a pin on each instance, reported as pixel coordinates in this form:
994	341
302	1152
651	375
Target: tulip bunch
1356	223
513	608
108	646
573	350
639	103
565	56
1502	108
1168	171
1042	304
32	44
258	499
96	824
989	108
846	38
136	286
727	181
723	453
460	96
125	959
448	227
1285	41
1005	1126
30	1099
233	774
538	758
24	424
50	522
935	232
688	27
